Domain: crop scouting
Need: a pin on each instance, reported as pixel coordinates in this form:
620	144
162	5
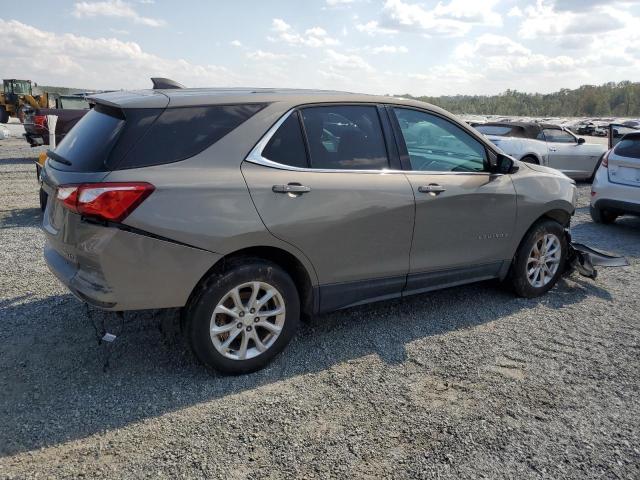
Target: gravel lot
467	382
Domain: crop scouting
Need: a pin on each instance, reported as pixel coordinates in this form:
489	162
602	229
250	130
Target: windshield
20	87
503	131
76	103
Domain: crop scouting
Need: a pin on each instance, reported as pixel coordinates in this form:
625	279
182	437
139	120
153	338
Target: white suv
616	187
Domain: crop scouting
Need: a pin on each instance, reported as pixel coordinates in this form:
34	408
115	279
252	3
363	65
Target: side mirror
502	163
581	141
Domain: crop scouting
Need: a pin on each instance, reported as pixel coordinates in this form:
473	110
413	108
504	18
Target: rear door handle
291	188
431	188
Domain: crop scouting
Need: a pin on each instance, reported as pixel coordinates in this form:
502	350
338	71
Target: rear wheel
242	318
599	215
540	259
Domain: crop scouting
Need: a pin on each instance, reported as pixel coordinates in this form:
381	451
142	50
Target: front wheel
242	318
540	259
4	115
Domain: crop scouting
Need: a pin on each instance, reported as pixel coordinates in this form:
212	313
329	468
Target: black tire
198	313
4	115
43	199
518	271
530	159
599	215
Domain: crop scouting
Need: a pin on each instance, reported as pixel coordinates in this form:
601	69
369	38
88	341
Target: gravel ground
467	382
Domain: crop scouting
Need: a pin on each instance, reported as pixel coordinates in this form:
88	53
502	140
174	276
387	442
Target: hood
543	169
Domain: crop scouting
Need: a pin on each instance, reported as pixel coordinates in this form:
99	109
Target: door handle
431	188
294	188
551	149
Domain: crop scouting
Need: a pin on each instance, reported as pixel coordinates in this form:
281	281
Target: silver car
546	144
616	187
250	209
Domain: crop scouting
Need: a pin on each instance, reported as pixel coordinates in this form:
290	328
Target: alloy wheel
544	260
247	320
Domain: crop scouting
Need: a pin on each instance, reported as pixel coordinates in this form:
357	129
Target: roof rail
160	83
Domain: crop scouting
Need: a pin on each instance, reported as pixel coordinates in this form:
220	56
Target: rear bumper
36	140
115	269
614	196
617	206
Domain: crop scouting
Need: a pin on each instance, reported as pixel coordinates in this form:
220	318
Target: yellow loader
16	95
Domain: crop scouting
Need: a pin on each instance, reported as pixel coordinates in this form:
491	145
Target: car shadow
54	388
21	217
19	161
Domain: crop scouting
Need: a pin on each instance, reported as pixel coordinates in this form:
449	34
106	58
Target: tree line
611	99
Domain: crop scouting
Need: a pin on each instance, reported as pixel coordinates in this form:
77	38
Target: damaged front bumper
585	259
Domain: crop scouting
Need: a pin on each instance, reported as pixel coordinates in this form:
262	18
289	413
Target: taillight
40	122
105	201
605	160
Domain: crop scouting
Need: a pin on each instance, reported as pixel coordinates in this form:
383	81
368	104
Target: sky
444	47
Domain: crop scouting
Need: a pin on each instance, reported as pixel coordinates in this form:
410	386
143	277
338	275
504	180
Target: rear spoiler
160	83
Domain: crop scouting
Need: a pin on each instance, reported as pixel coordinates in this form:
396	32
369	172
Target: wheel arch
302	278
533	155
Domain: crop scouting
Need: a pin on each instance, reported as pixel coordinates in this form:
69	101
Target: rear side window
287	144
347	137
629	147
89	142
180	133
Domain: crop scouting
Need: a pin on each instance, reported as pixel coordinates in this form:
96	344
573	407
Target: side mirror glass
581	141
501	163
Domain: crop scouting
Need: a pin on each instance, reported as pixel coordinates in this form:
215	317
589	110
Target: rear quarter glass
88	144
113	139
180	133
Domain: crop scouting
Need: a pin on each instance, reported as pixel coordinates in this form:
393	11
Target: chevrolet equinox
250	208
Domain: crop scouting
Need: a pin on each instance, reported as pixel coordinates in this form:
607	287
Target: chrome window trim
255	156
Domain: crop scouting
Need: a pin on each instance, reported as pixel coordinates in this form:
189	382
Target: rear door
322	181
465	215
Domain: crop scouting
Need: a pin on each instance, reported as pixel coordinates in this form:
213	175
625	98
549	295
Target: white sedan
546	144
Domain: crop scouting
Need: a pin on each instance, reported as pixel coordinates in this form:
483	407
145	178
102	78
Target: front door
465	216
339	204
567	154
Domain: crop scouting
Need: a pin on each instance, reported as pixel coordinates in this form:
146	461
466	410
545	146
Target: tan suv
250	208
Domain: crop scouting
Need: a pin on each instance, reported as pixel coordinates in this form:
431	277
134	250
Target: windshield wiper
58	158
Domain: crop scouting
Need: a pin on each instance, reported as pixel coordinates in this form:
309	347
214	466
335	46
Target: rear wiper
58	158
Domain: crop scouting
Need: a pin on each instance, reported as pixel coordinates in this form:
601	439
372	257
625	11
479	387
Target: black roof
521	129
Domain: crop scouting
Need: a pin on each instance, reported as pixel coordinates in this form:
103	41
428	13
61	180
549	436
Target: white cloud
542	20
263	55
84	62
341	62
454	18
388	49
373	27
515	12
333	3
114	8
235	43
313	37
